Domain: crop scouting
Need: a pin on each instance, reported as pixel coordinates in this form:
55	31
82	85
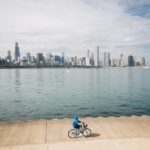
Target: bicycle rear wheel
87	132
72	133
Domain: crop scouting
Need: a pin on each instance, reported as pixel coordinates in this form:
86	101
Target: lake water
27	94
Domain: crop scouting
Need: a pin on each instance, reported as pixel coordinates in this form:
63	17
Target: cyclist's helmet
76	117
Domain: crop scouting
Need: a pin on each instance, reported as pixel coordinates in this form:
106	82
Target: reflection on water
58	93
17	81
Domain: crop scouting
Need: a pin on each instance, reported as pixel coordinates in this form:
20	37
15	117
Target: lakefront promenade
108	133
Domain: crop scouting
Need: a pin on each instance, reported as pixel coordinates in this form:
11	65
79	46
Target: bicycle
86	132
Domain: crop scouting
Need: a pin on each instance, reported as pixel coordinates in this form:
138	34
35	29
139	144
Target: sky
73	26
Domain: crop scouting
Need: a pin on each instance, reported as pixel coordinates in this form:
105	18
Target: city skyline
92	59
75	26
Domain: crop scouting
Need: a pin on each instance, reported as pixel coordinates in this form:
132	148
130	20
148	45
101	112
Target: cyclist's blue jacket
75	123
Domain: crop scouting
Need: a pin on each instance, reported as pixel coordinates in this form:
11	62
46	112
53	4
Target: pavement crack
46	133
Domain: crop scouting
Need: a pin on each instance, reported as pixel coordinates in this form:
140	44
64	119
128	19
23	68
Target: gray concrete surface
108	133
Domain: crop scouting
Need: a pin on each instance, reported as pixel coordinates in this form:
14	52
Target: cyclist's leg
81	128
78	129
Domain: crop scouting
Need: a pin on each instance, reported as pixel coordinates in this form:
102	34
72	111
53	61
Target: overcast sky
117	26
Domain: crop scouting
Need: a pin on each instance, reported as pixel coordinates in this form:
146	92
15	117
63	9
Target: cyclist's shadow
95	135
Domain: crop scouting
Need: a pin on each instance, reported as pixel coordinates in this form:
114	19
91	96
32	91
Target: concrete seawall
119	132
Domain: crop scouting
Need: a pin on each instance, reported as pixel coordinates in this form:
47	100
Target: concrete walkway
114	133
122	144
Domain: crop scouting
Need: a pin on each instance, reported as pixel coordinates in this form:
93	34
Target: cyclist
76	123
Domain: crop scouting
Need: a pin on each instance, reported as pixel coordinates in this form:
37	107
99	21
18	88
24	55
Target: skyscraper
96	57
130	61
28	57
9	57
63	58
92	59
88	53
122	62
40	58
106	59
17	52
49	58
143	63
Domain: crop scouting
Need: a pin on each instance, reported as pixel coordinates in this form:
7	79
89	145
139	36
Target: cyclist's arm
79	121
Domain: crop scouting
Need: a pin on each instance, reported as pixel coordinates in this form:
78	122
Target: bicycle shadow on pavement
95	135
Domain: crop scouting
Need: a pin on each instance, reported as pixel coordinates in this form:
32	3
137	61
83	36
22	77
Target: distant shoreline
59	67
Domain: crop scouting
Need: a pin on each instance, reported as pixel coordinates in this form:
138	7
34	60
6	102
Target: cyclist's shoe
81	131
78	132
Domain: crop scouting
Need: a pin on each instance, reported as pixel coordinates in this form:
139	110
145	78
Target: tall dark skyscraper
130	61
40	58
17	52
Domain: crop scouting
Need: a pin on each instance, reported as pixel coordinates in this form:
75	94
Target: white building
118	62
79	62
106	59
87	62
126	62
122	63
112	62
72	61
49	58
115	63
96	57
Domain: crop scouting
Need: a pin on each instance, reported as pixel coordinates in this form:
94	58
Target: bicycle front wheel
87	132
72	133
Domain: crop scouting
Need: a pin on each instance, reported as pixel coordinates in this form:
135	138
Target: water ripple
53	93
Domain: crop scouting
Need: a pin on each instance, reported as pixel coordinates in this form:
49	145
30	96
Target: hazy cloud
76	25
